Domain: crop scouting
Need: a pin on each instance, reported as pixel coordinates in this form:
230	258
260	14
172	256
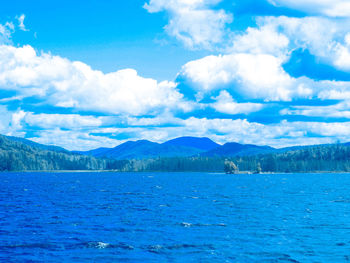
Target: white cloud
63	83
327	39
281	134
339	110
252	70
342	53
252	76
21	22
17	118
331	8
6	32
333	90
11	122
334	94
193	22
8	29
5	119
89	122
225	104
262	40
67	121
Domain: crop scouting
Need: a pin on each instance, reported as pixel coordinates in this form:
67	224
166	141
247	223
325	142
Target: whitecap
99	245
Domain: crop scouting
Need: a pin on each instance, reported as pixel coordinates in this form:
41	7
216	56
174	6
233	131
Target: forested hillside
334	158
18	156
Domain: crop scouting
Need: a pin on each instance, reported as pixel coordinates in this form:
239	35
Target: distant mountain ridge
144	149
178	147
236	149
201	143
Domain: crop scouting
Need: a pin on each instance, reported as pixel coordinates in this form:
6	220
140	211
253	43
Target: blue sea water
174	217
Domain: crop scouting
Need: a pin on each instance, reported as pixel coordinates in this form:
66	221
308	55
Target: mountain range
180	154
179	147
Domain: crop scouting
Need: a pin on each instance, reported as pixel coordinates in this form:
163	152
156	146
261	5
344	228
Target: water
174	217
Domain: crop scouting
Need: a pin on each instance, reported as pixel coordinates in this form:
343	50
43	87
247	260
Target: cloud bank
242	91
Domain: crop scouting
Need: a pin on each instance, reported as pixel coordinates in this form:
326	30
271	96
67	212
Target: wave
186	224
159	249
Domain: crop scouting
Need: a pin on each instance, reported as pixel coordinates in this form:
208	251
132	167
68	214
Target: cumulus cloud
251	76
253	69
243	80
63	83
261	40
248	77
193	22
331	8
325	38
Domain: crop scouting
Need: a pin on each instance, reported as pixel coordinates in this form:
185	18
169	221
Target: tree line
332	158
17	156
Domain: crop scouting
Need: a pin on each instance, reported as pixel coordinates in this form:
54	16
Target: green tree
230	167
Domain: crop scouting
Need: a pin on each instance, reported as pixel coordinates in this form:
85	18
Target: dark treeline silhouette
176	164
332	158
18	156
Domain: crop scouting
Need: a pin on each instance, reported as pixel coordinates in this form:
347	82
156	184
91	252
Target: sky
96	73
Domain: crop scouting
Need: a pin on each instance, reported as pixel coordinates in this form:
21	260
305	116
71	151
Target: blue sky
87	74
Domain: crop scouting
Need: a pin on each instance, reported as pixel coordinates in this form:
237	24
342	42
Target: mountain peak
202	143
237	149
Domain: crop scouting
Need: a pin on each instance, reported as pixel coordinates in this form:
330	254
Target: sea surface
174	217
